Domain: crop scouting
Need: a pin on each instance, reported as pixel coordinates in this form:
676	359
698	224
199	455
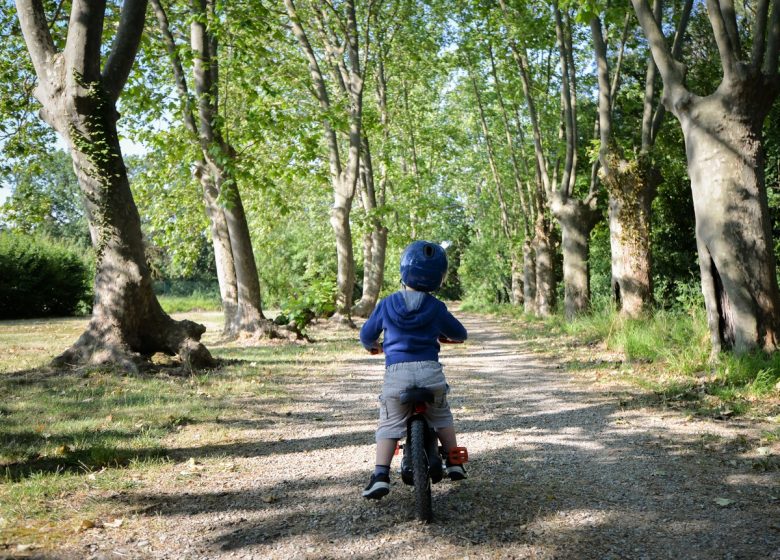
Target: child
412	321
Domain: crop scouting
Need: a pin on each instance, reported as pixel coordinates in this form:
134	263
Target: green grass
67	435
666	353
194	302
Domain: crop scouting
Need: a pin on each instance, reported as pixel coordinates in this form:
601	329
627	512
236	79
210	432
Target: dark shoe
378	486
456	472
406	471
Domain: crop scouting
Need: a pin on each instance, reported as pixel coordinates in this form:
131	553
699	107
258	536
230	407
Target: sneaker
456	472
378	486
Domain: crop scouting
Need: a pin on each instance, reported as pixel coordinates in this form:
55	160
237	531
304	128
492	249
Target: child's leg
447	438
385	449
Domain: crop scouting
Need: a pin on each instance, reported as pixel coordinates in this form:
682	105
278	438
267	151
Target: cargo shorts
393	415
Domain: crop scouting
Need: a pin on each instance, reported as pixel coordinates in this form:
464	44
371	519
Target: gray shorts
393	415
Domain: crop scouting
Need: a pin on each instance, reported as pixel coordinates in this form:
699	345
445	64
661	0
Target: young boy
412	321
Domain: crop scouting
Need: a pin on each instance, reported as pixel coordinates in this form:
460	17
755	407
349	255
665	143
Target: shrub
42	277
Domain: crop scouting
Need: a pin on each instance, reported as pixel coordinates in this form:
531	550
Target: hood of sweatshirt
411	310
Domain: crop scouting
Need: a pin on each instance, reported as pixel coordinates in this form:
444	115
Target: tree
725	153
79	101
340	43
631	180
214	169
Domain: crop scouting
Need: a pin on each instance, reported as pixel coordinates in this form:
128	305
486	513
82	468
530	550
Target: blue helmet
423	266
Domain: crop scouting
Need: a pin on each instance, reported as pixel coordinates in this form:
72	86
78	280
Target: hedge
42	277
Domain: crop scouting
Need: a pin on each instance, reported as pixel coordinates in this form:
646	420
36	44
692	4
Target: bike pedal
458	456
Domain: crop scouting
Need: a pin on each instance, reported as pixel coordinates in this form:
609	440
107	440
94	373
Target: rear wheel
422	482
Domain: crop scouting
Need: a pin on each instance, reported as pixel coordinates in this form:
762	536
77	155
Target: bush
42	277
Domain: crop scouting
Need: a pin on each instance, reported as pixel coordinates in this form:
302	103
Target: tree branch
605	103
728	59
125	46
679	35
773	41
671	71
35	29
759	34
82	47
730	22
176	65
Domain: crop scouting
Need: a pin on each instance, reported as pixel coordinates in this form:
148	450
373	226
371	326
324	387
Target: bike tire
422	481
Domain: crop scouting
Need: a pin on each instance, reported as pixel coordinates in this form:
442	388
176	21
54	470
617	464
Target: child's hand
377	349
444	340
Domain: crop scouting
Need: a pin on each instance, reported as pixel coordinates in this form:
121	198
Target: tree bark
223	252
374	241
723	139
631	186
517	279
529	278
576	219
545	271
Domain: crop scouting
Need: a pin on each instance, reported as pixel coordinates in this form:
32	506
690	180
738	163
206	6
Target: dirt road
558	470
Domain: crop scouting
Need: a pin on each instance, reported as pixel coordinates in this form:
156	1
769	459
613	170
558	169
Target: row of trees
504	126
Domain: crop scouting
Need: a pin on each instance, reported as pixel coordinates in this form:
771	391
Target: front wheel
422	482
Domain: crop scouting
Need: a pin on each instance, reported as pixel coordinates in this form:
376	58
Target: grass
194	302
666	354
66	436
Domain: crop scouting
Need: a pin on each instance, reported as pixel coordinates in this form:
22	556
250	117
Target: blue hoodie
412	322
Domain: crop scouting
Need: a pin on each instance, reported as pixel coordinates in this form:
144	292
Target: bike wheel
422	482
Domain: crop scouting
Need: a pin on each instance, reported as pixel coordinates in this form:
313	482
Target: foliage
41	277
45	198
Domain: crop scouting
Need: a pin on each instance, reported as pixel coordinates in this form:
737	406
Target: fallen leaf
191	463
63	449
269	498
109	418
115	524
85	525
723	502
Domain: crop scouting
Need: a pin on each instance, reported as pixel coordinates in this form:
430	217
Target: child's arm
452	328
372	329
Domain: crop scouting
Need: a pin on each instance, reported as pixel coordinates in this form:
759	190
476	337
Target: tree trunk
127	320
529	278
576	219
723	139
345	260
223	252
374	241
517	280
545	273
632	187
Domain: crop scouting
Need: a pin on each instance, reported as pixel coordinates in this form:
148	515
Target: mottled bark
545	271
576	219
631	186
733	228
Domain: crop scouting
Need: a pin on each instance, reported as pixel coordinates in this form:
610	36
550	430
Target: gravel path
558	469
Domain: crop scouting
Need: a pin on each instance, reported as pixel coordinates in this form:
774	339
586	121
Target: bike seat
416	394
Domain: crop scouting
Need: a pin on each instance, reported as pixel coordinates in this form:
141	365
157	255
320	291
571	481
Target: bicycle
423	460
